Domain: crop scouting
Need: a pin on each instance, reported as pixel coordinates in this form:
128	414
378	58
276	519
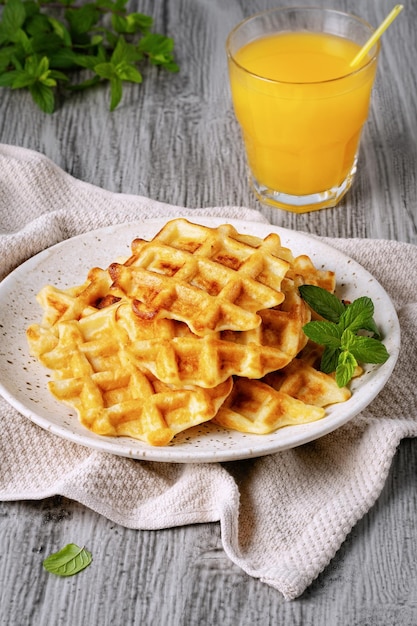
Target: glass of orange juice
300	105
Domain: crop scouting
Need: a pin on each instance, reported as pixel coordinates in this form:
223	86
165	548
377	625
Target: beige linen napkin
283	516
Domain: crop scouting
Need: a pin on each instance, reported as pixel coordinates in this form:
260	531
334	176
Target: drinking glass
300	106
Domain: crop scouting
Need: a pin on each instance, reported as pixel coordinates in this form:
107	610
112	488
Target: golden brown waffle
174	355
197	324
294	395
72	303
301	380
303	267
179	358
212	279
256	407
95	373
205	361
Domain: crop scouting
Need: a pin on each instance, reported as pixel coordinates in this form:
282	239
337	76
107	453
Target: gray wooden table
175	139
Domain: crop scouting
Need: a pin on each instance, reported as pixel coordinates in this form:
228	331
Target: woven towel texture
283	516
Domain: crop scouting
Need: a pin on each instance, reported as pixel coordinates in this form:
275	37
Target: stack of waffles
199	324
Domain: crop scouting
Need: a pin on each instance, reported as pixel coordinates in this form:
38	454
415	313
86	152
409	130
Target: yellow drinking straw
376	35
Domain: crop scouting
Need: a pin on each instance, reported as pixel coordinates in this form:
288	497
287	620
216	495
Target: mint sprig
44	45
68	561
348	332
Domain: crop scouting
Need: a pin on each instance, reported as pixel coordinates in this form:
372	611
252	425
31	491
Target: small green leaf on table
69	561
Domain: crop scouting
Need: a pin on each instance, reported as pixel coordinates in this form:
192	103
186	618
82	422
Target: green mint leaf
347	339
132	23
139	22
45	44
96	40
38	24
43	96
120	51
6	56
128	73
372	328
22	79
111	38
85	84
63	59
124	52
323	333
17	62
69	561
7	80
118	5
46	80
116	90
60	30
43	66
365	349
345	368
171	66
344	348
358	314
105	70
119	23
21	38
82	20
326	304
158	48
31	8
90	61
329	360
13	16
57	75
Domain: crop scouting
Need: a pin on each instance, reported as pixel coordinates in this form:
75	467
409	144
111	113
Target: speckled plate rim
23	380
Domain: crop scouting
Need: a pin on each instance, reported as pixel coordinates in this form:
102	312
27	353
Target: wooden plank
175	139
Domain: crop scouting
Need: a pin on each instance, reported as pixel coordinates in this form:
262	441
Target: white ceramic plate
23	380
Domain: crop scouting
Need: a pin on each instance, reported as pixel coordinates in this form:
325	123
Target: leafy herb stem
42	53
347	331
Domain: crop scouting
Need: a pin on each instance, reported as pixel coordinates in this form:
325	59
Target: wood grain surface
175	139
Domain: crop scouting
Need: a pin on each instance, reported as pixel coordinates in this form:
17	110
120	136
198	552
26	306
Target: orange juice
301	109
